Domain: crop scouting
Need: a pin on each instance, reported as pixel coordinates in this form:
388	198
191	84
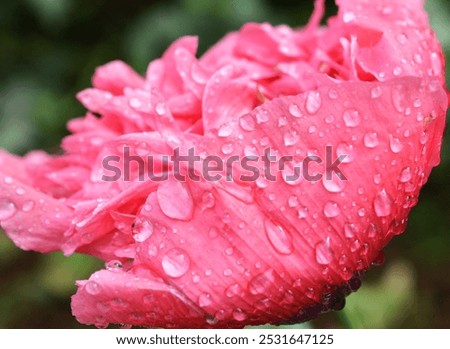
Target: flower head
361	102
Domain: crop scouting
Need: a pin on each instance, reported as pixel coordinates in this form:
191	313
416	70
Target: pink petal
33	220
115	76
227	97
113	296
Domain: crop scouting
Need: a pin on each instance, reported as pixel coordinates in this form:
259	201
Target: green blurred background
49	50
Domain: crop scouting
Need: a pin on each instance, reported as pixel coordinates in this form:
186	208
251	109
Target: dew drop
329	119
290	138
324	255
382	204
93	288
260	283
28	206
113	265
225	130
20	191
351	117
372	231
313	102
405	175
8	180
135	103
333	94
262	116
227	148
347	151
302	212
376	92
395	144
371	140
334	184
418	58
402	39
377	178
143	229
175	200
350	230
331	209
204	300
293	201
160	109
208	200
397	71
239	314
355	246
295	111
175	263
247	123
7	209
233	290
282	121
280	239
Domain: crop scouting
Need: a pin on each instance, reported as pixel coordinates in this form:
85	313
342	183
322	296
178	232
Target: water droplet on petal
371	140
405	175
175	200
113	265
175	263
376	92
260	283
20	191
280	239
329	119
160	109
395	144
418	58
397	71
382	204
247	123
347	151
334	184
333	94
208	200
8	180
227	148
239	314
293	201
324	255
7	209
225	130
93	288
143	229
27	206
302	212
262	116
351	117
350	230
313	102
402	39
282	121
331	209
295	111
290	138
233	290
204	300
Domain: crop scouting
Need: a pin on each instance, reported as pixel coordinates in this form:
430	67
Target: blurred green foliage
48	52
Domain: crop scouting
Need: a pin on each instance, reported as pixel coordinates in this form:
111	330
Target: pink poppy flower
367	90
